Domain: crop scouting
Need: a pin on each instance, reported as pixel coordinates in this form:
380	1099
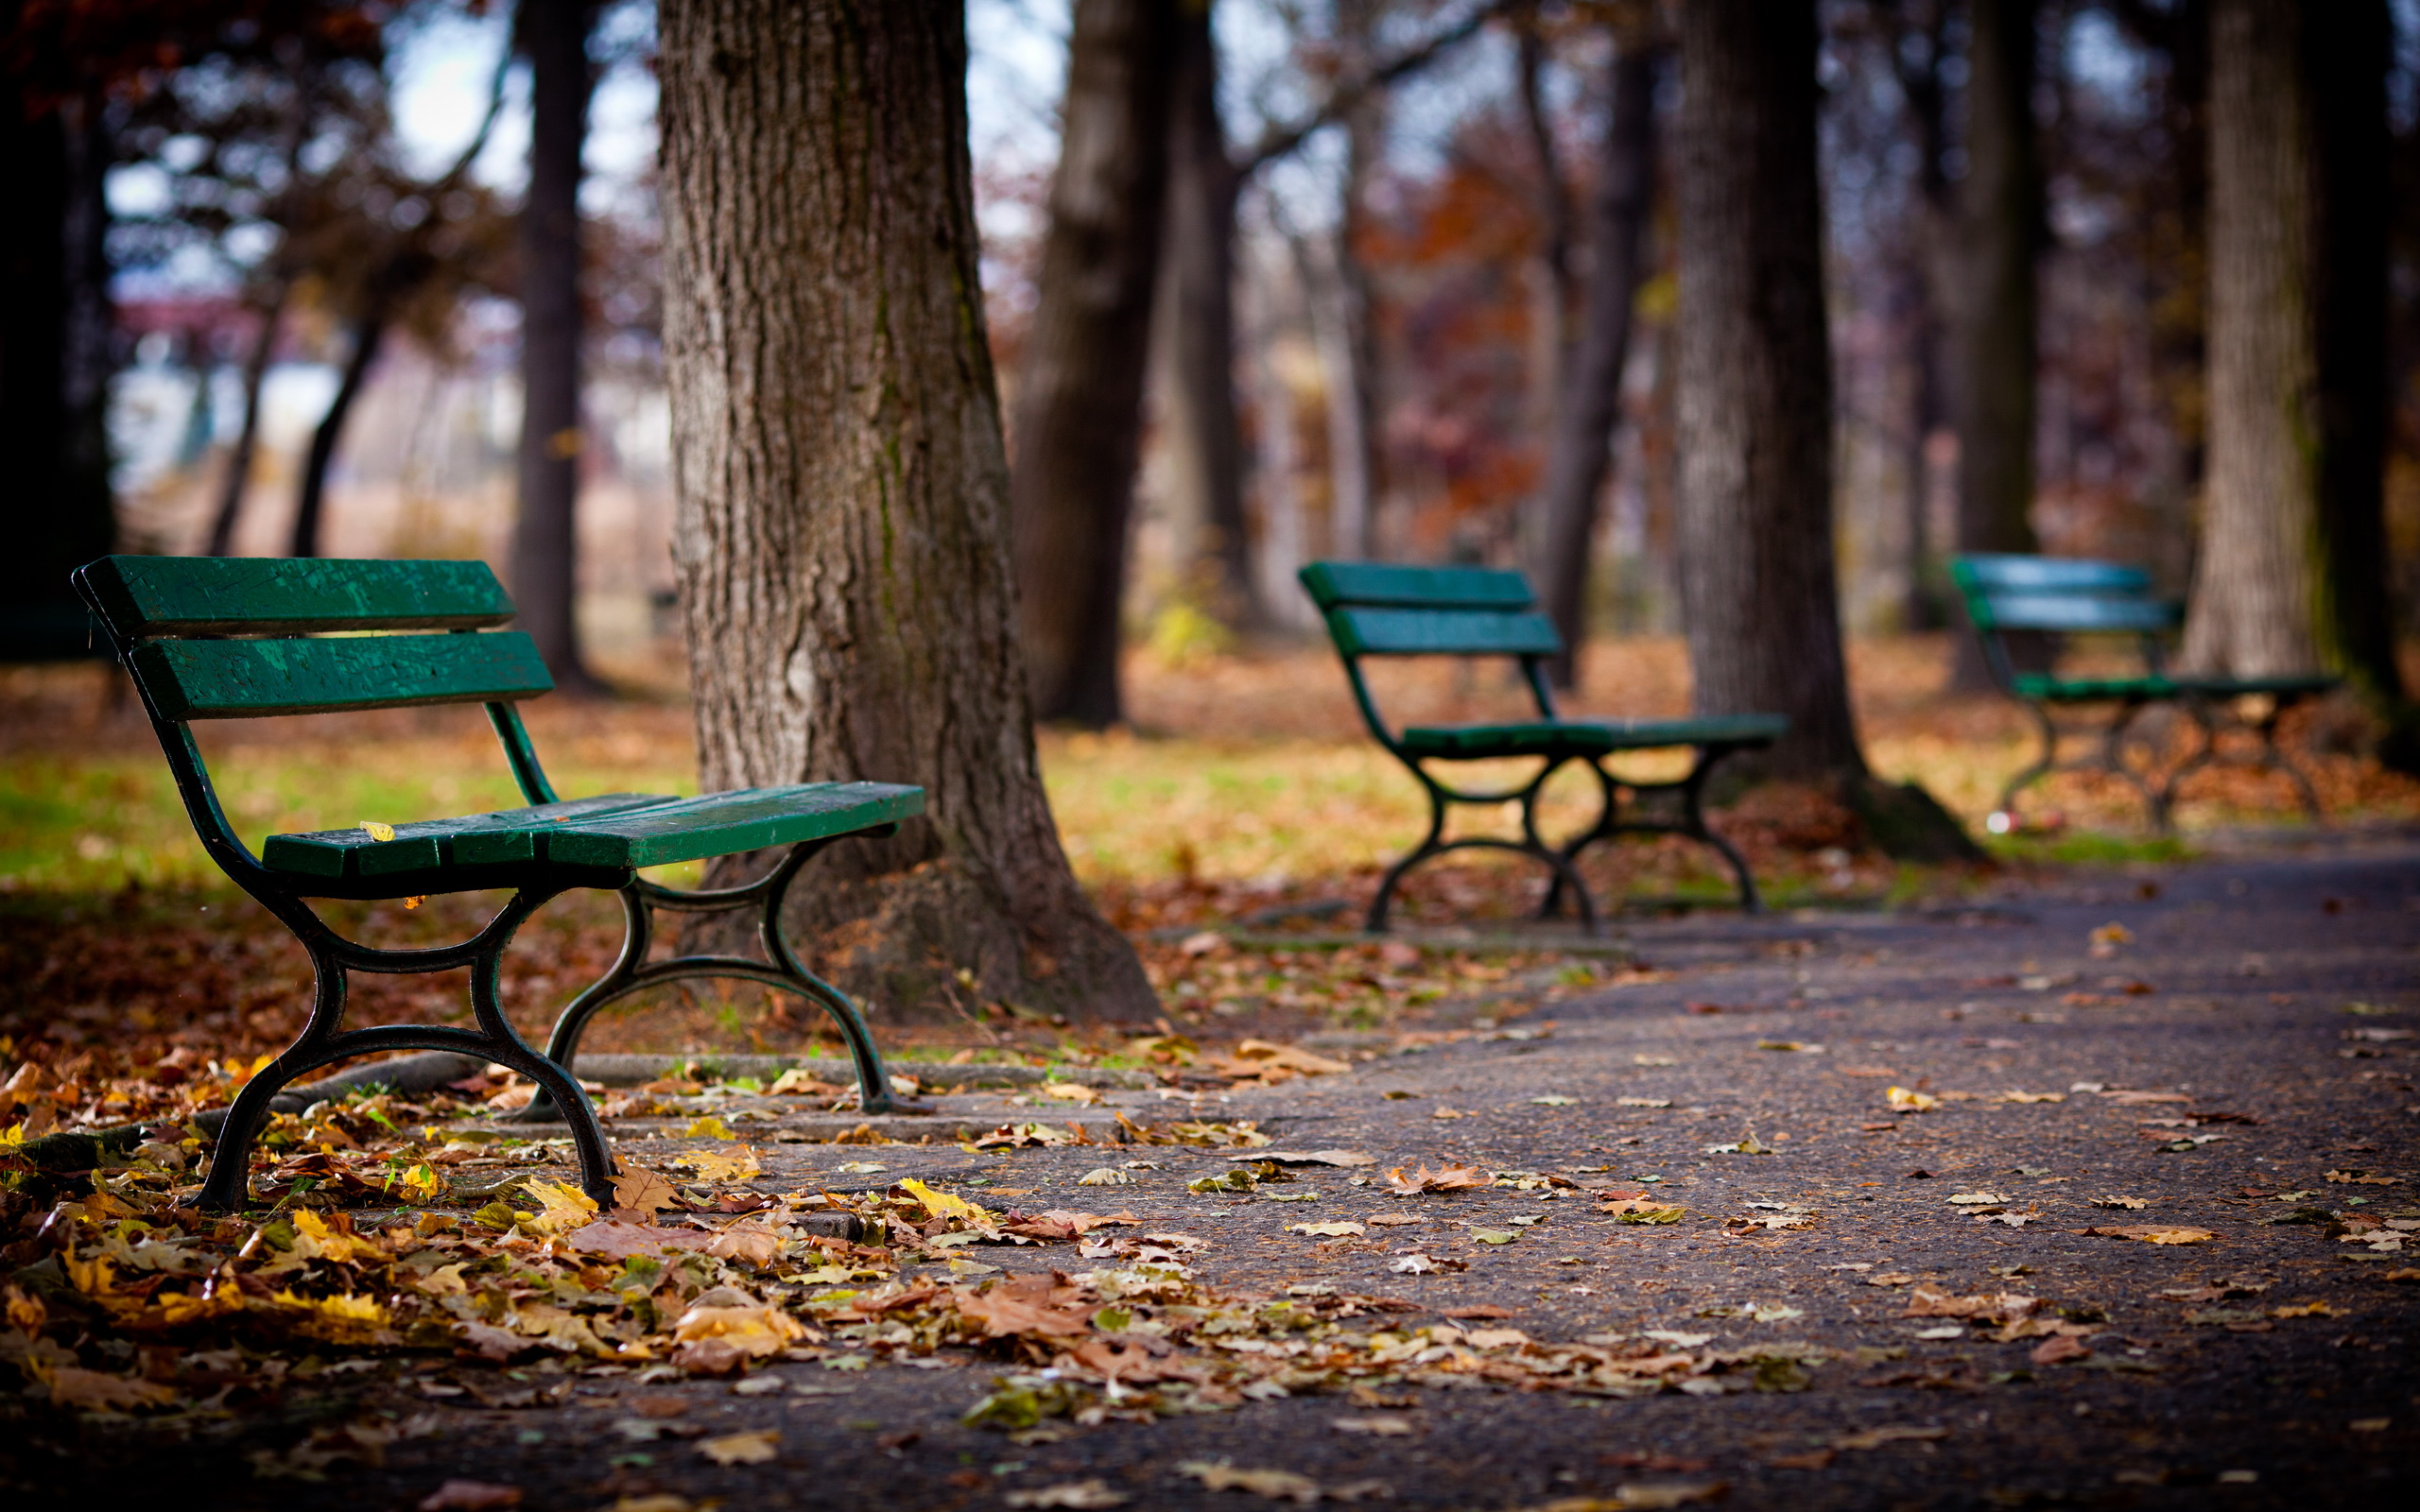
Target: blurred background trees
383	278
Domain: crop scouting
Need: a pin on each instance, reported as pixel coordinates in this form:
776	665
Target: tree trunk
1552	294
2349	45
366	338
54	353
1993	312
1204	443
1755	385
1360	477
1591	401
546	539
842	528
1079	415
2254	600
248	435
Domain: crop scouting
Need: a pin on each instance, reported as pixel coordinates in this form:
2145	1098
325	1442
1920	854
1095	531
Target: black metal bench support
1442	798
781	970
1688	793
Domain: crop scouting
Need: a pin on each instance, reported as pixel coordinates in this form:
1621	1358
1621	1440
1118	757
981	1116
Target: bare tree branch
1278	141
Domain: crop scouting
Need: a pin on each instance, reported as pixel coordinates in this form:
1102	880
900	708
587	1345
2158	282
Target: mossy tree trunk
843	525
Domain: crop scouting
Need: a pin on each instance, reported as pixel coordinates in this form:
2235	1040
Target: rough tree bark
2346	55
842	527
545	537
1079	414
1581	448
1755	421
1758	592
1196	341
2254	594
1993	310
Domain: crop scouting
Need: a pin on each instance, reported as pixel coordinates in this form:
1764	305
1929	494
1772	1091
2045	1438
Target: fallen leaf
733	1163
1343	1158
1327	1230
381	832
1105	1175
1642	1102
945	1205
1447	1179
1412	1266
1877	1437
2014	1096
2059	1350
1554	1100
2157	1236
757	1445
1905	1101
639	1193
1394	1220
1076	1494
1377	1425
470	1496
618	1240
2129	1203
1494	1236
99	1391
1027	1305
1651	1494
860	1168
565	1207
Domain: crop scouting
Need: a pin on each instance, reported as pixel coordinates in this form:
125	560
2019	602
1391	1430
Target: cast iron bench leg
781	970
324	1040
1692	824
1530	844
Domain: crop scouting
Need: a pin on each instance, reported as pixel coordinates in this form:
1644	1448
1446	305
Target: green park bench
2071	597
1377	610
231	639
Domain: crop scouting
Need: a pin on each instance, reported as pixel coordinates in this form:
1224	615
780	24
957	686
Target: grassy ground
1244	786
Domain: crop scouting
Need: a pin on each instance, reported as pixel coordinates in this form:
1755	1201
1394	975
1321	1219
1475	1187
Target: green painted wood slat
720	824
1384	585
143	597
242	680
502	837
2074	613
1442	632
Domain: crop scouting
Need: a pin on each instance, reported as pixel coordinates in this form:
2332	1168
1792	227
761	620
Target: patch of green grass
2085	847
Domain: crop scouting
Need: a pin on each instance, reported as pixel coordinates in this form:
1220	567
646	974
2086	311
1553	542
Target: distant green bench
231	639
1377	610
2061	596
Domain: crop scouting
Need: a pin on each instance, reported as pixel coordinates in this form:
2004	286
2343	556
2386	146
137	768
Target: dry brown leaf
640	1194
1062	1223
1082	1496
1027	1304
757	1445
99	1391
470	1496
1445	1178
2156	1236
618	1240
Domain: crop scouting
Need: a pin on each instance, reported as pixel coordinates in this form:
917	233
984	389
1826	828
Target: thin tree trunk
1285	541
1079	422
308	508
1361	481
546	539
2349	45
2253	601
1552	294
843	527
1204	441
1591	401
1755	389
239	459
1992	344
1348	450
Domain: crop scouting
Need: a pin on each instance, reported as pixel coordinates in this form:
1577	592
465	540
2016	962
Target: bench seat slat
145	596
502	837
2079	612
1592	738
1985	572
722	824
1442	632
239	679
1382	585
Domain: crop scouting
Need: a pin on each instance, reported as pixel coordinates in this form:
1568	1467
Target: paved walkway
2221	1046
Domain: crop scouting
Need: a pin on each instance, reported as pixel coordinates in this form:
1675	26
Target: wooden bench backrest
2069	595
1376	608
303	623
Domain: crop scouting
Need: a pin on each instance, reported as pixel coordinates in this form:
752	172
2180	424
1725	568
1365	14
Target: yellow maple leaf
735	1162
943	1205
565	1207
711	1126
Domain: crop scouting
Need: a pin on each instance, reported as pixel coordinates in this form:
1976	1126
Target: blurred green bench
1373	608
231	639
2072	597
